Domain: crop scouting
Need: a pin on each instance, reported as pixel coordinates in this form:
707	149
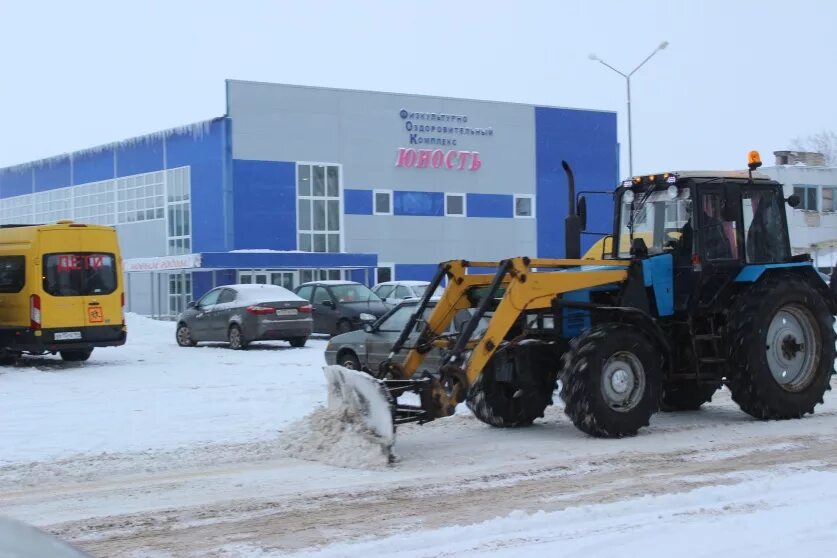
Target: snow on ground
788	513
150	393
155	450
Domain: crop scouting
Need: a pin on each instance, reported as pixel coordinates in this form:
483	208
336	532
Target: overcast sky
736	76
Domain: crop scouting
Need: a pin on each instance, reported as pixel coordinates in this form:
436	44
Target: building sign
166	263
431	131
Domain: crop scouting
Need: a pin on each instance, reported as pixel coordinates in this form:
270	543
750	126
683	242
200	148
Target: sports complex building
298	183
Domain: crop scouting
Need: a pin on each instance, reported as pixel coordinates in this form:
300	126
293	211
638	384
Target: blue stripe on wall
490	205
15	181
139	156
415	272
587	141
428	204
264	205
52	175
93	166
204	154
357	202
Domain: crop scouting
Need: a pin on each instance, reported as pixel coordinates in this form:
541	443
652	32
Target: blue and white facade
295	183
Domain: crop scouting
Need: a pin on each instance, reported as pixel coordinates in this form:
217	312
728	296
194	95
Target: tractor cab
709	225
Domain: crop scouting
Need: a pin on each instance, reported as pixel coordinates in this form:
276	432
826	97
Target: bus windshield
79	274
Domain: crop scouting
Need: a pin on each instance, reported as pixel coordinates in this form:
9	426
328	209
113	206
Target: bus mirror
793	200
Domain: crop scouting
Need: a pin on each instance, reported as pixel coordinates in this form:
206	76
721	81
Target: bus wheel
77	355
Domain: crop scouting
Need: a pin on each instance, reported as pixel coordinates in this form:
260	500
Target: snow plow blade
358	397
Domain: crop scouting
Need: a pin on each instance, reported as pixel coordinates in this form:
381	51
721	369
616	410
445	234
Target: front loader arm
526	290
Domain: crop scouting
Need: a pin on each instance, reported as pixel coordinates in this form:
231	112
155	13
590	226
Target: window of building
95	203
318	208
140	197
455	205
53	205
180	293
178	189
383	273
807	195
829	199
383	202
524	205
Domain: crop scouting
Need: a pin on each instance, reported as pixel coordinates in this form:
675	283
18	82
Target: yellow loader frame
526	289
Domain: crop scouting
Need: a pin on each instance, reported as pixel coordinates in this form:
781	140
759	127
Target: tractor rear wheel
781	342
516	386
686	395
612	378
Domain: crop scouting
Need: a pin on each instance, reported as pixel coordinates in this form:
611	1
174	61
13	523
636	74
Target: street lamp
627	77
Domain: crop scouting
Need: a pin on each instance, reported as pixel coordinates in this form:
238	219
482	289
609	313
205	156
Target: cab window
79	274
764	238
12	273
719	237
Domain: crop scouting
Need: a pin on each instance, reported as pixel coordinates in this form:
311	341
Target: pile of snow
335	436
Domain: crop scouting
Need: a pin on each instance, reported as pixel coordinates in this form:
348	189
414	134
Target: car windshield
353	293
658	221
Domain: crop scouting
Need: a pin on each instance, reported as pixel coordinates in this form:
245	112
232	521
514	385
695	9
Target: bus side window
12	273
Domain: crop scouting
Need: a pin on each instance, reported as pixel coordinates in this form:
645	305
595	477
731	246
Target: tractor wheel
781	342
612	378
515	387
686	395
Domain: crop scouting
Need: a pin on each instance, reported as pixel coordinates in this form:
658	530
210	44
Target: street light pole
627	77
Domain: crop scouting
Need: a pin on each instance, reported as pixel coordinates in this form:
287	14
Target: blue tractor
696	288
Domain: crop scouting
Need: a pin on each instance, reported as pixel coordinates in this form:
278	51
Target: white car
393	292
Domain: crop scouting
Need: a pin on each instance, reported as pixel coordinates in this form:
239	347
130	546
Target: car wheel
183	335
79	355
236	338
298	341
349	360
343	326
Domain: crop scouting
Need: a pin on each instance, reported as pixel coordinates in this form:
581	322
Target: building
813	224
294	183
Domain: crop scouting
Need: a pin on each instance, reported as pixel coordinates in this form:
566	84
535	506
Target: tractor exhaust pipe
572	223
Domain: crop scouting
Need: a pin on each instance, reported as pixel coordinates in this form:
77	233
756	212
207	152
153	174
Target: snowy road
206	477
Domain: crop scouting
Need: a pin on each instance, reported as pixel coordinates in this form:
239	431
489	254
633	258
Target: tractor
695	288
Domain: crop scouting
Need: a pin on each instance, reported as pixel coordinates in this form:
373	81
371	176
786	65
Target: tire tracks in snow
285	521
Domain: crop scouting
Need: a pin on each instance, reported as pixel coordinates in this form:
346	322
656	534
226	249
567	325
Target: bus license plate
286	312
67	335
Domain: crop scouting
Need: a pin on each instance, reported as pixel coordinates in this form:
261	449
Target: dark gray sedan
241	314
366	349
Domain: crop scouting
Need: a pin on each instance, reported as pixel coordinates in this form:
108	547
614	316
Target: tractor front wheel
612	377
516	386
781	342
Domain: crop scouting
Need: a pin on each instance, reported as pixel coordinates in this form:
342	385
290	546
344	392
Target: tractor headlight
628	196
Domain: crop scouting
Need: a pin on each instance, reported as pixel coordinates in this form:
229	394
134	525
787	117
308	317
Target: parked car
341	306
393	292
241	314
365	350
